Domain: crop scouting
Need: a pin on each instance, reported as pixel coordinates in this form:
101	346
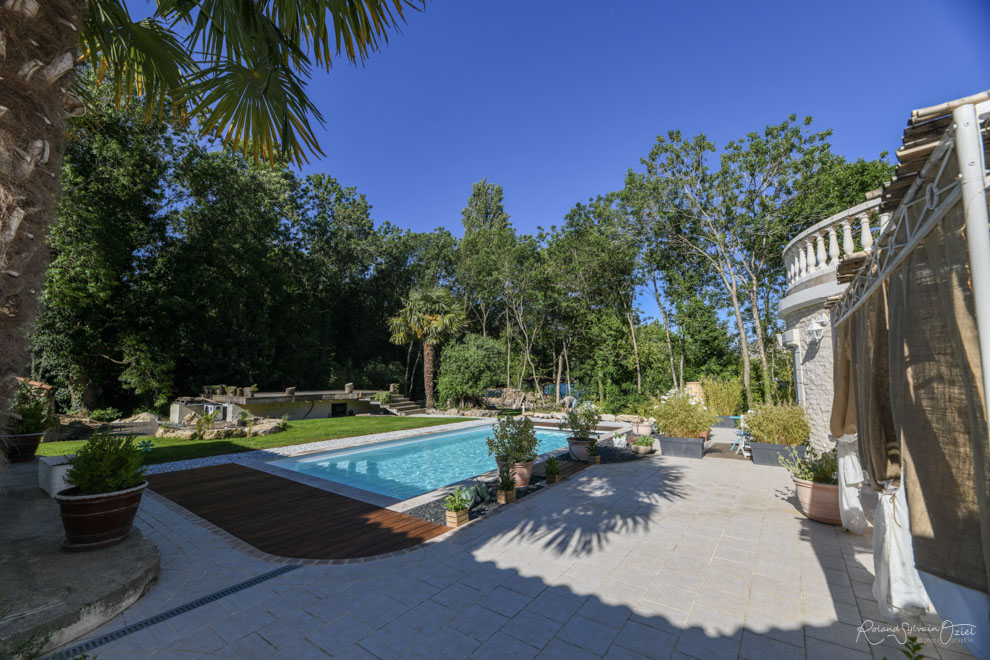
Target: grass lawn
298	433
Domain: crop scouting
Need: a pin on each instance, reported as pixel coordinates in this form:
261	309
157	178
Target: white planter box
51	473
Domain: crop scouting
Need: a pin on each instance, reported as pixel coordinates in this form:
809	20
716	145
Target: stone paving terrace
658	558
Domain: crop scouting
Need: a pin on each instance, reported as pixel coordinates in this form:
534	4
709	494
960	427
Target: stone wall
815	358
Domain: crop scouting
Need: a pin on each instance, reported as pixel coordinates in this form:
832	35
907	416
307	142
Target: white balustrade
833	248
866	237
819	248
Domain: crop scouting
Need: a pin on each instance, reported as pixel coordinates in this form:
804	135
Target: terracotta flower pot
97	521
578	448
818	501
642	428
506	496
522	472
457	518
20	448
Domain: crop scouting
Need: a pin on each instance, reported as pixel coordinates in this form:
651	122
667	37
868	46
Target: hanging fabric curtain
937	403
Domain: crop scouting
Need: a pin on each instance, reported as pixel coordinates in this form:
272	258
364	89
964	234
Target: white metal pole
969	153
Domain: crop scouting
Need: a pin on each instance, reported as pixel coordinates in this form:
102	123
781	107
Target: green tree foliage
176	265
468	368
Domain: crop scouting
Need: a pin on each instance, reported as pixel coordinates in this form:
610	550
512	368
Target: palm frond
142	59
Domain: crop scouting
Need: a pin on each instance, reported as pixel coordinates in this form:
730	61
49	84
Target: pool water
406	468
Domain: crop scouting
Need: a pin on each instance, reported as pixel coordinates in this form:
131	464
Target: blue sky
556	99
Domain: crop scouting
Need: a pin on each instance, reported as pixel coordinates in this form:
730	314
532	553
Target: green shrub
783	424
513	440
468	368
506	481
581	421
106	464
458	500
384	398
642	408
106	414
820	468
723	397
678	417
205	423
283	423
552	466
645	441
35	411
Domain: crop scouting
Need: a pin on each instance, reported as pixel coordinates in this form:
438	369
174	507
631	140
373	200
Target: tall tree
238	69
430	316
488	237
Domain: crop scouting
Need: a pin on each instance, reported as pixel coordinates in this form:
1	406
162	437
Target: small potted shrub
107	479
553	470
582	422
32	418
643	425
458	505
774	429
683	426
643	445
815	480
593	456
513	443
506	493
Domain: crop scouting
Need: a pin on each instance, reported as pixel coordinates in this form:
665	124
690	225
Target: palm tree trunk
428	373
38	41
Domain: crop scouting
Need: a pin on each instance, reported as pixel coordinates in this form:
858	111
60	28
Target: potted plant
593	457
457	504
643	445
815	480
513	443
107	479
32	418
683	425
774	429
582	422
249	391
506	493
552	468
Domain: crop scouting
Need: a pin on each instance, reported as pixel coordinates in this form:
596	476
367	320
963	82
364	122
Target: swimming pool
406	468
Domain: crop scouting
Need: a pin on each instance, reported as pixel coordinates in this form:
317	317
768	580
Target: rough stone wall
816	365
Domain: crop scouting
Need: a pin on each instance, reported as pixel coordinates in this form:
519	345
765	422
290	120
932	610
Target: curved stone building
812	260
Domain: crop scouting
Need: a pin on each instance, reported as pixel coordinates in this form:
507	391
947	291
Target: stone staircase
400	406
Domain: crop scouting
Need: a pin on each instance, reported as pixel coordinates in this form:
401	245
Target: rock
265	428
608	418
452	411
190	418
183	434
627	418
227	432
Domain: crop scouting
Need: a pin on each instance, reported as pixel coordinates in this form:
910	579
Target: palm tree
236	69
431	316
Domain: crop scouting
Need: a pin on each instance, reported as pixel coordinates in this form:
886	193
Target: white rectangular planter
51	473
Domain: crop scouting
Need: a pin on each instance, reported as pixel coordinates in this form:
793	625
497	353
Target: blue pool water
406	468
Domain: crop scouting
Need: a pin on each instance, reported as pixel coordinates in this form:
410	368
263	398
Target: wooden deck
289	519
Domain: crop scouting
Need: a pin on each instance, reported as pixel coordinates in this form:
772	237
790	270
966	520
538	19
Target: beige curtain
843	420
936	399
870	377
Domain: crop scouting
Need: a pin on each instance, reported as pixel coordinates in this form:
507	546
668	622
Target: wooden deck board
289	519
